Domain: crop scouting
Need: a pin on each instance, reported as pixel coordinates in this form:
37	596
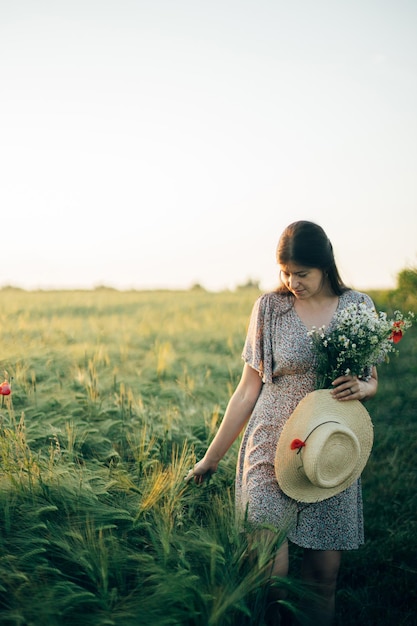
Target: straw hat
323	447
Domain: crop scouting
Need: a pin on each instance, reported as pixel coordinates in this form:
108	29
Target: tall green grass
115	394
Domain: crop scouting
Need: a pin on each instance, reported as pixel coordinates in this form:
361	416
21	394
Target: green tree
407	280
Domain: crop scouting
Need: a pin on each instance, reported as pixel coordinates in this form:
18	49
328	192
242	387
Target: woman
279	372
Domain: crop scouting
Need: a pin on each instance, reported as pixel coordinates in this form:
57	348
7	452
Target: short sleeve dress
278	347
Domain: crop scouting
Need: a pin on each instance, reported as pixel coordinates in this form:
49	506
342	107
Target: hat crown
330	455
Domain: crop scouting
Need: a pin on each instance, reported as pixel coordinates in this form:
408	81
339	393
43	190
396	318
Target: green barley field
114	396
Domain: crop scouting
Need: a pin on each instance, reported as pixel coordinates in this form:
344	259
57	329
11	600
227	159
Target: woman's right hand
201	470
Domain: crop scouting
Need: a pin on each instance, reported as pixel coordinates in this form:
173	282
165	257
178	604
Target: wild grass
115	394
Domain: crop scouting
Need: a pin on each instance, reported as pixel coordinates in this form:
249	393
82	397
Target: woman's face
303	282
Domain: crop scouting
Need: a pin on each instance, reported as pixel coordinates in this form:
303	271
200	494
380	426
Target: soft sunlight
166	144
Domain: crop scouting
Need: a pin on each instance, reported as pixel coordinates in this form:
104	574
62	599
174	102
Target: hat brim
317	406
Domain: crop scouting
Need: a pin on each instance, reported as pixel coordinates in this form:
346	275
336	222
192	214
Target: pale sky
162	143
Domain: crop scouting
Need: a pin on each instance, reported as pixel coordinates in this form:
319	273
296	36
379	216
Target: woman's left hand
348	388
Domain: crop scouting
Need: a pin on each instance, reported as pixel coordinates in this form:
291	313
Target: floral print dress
278	347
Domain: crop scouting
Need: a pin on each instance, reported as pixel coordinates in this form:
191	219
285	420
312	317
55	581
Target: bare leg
320	569
271	558
280	569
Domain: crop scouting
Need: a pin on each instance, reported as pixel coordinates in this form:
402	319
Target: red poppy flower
5	389
397	333
296	444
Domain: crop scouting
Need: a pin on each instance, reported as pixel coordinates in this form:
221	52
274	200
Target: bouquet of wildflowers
359	339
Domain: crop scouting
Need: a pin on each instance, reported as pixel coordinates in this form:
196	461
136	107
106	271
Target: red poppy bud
296	444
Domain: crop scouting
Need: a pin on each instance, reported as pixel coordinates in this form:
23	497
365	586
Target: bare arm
237	413
352	388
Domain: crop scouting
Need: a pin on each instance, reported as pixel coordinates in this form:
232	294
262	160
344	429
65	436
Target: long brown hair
306	243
